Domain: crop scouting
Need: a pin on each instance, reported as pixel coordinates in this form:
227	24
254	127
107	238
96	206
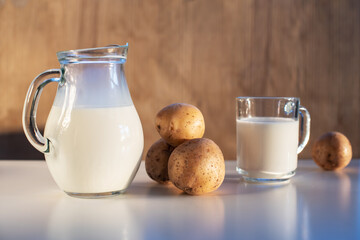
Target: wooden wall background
203	52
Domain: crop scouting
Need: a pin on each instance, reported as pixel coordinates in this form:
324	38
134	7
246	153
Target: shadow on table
154	189
233	185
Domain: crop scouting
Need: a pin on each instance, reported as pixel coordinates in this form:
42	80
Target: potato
197	166
156	161
179	122
332	151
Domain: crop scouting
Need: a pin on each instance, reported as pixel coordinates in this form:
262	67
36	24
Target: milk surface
267	146
94	150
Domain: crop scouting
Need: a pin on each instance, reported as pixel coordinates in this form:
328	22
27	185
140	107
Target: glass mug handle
304	138
30	107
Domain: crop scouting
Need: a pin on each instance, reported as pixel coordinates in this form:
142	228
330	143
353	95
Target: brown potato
156	161
179	122
332	151
197	166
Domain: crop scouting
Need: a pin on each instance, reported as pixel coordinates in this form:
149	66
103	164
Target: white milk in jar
94	150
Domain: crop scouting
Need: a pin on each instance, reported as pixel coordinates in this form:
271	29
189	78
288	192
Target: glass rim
108	53
268	98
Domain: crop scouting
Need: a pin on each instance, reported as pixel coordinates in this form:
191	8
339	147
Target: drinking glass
267	135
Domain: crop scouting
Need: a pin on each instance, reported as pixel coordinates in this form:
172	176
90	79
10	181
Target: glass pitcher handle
305	119
30	107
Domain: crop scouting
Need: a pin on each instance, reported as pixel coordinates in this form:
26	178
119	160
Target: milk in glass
267	146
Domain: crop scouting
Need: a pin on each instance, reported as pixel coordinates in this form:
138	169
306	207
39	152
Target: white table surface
314	205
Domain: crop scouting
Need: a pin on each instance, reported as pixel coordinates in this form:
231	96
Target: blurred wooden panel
201	52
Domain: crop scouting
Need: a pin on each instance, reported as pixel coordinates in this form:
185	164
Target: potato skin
197	166
156	161
332	151
179	122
